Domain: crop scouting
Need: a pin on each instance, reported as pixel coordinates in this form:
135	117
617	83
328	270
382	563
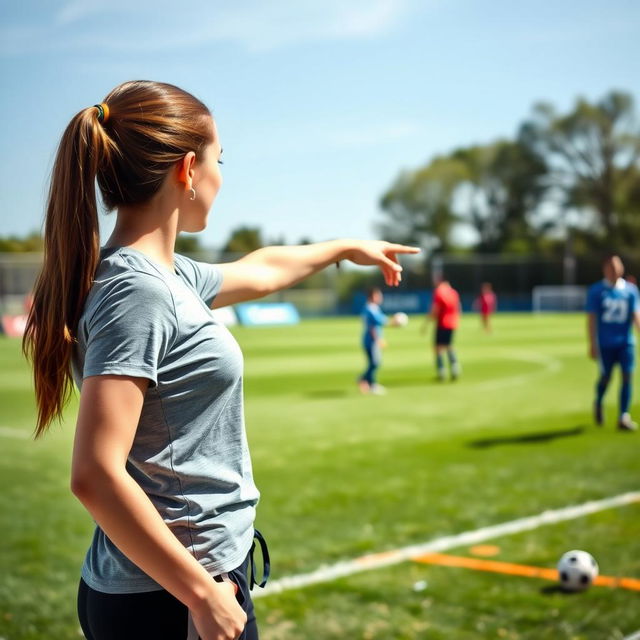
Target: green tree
494	188
505	186
418	206
593	154
627	206
244	240
32	242
188	244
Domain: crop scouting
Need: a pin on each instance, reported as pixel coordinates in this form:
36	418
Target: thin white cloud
335	137
369	18
255	25
76	10
578	33
373	135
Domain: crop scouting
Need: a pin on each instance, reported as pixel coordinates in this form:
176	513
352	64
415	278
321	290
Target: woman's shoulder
204	277
186	265
193	269
125	263
124	273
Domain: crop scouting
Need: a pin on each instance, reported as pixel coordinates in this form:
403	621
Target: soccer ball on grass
577	570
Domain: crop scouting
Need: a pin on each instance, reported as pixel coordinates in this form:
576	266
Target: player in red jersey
445	310
486	304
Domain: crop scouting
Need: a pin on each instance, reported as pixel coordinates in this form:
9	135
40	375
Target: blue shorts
624	355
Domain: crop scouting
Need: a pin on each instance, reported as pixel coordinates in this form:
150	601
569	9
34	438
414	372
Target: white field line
393	557
549	365
634	636
8	432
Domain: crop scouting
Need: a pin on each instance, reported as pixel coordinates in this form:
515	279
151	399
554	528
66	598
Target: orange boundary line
509	568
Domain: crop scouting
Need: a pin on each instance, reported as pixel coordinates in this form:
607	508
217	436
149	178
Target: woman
160	458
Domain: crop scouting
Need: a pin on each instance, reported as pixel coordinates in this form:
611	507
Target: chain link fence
340	290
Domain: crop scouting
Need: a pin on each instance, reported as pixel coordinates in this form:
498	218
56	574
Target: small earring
192	193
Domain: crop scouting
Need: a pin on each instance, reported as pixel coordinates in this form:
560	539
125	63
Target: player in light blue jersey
613	307
372	341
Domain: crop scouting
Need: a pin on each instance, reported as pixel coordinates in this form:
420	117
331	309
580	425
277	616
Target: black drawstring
266	563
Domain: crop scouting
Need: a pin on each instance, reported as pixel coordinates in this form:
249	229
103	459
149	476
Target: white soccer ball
400	319
577	570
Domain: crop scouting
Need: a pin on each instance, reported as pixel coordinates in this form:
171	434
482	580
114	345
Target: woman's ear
186	169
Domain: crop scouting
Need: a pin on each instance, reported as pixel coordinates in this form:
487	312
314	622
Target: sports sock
440	365
625	394
453	363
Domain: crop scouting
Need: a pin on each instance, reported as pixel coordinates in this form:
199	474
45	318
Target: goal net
559	298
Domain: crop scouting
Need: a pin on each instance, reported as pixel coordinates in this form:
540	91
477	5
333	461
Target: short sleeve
131	329
592	300
205	278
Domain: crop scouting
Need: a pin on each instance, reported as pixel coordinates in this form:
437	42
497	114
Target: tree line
241	240
566	181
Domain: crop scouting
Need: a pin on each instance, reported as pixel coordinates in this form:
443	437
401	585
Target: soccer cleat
377	390
598	416
441	375
455	371
626	423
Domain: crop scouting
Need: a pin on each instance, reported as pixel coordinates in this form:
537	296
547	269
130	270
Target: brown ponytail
150	127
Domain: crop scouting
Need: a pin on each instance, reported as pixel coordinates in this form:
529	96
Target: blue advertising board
254	314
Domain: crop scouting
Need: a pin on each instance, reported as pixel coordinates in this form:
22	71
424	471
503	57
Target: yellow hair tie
103	112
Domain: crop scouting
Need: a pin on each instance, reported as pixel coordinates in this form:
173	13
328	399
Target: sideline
524	570
388	558
549	365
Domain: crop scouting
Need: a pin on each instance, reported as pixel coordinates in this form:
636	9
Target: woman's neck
149	229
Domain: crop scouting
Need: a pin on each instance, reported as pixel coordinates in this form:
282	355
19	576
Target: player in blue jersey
372	341
613	307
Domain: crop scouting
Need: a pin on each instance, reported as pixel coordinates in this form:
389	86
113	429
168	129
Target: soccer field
344	475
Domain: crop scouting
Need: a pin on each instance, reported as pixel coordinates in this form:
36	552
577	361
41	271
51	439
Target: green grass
342	475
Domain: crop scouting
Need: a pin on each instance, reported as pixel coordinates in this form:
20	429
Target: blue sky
319	104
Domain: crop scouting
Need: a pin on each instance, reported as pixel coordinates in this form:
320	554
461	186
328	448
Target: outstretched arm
273	268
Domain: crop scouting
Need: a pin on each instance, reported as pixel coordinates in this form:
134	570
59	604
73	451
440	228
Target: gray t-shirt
190	451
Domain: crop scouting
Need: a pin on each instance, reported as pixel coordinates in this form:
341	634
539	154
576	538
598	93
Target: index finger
402	248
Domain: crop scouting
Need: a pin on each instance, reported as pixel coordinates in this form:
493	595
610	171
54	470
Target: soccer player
445	310
372	341
613	306
486	304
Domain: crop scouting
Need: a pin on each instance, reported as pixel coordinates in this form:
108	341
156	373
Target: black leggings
155	615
